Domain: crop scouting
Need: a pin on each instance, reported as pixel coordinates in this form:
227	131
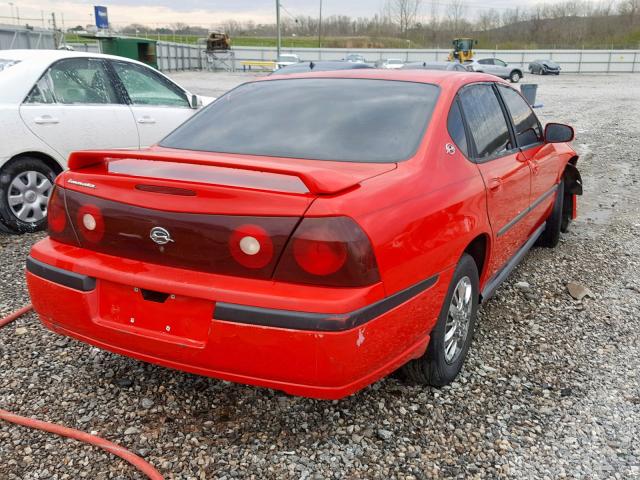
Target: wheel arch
478	249
48	160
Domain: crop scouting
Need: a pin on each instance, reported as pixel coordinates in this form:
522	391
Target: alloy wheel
458	320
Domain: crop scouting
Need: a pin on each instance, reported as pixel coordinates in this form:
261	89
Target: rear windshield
4	64
351	120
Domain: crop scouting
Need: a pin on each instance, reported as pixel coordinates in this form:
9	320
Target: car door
158	105
541	156
500	68
506	176
75	106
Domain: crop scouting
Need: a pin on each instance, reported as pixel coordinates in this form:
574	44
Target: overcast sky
212	13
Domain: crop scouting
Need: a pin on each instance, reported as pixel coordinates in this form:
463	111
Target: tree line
434	23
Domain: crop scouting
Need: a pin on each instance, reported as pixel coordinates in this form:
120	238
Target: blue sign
102	19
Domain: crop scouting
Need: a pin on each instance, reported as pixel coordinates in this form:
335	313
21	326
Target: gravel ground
550	389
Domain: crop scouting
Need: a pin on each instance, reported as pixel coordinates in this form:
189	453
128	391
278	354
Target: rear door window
75	81
525	123
455	125
486	121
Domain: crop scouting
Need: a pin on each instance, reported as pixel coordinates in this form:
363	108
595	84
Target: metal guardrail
16	37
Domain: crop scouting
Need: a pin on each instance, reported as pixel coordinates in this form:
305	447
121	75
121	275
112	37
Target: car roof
444	78
49	56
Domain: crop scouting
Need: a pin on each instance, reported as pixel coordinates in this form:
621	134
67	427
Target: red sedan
309	234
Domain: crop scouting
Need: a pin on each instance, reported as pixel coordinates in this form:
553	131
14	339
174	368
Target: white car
496	67
53	102
392	63
287	59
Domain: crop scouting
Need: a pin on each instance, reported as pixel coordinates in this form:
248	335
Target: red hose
106	445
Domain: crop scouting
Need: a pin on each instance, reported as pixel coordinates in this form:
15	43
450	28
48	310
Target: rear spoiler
319	181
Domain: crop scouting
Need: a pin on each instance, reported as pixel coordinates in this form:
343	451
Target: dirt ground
551	387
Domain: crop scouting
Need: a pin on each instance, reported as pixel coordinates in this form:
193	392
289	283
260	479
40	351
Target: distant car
544	67
496	67
53	102
355	58
451	66
392	63
303	67
286	60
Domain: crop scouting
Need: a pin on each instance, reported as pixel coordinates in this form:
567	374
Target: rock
147	403
578	291
384	434
131	431
21	331
523	286
124	382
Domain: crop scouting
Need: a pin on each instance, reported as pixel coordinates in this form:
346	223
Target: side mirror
195	101
558	133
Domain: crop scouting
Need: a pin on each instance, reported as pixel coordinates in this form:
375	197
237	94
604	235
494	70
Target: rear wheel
25	187
515	76
451	337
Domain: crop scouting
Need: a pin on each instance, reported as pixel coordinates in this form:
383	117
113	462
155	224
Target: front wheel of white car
25	187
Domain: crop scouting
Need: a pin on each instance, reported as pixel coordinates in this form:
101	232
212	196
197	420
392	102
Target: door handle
495	184
46	120
146	119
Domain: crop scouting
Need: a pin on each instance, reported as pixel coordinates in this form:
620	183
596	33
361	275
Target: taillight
251	246
90	223
56	213
58	224
332	251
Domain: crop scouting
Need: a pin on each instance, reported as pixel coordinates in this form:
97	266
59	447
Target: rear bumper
228	340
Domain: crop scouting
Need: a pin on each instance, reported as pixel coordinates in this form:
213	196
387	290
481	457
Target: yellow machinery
462	50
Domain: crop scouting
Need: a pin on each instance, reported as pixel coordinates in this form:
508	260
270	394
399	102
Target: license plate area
159	315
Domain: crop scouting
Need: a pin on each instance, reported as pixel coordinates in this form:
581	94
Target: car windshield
4	64
287	58
351	120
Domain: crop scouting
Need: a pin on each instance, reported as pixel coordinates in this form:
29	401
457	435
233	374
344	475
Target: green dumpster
141	49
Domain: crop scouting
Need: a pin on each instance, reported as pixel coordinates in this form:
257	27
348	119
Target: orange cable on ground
62	431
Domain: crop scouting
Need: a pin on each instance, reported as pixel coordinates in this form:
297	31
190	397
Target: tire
515	76
551	235
28	182
435	367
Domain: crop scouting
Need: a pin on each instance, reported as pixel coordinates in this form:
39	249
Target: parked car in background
544	67
285	60
346	228
391	63
319	66
496	67
450	66
53	102
355	58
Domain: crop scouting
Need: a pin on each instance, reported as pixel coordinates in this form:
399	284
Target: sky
211	13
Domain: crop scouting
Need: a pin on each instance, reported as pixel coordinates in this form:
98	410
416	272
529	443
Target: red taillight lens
251	246
90	223
58	223
56	213
332	251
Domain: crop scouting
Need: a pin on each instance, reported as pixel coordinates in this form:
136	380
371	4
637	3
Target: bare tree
456	10
403	12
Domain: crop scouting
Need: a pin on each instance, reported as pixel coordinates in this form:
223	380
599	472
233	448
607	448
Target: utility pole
278	40
320	27
55	29
12	17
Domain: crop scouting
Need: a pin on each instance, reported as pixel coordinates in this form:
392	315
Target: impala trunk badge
160	235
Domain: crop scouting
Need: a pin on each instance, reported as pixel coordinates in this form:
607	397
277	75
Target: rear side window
76	81
486	121
525	123
455	125
350	120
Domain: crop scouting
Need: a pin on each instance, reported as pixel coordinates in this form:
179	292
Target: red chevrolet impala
309	234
